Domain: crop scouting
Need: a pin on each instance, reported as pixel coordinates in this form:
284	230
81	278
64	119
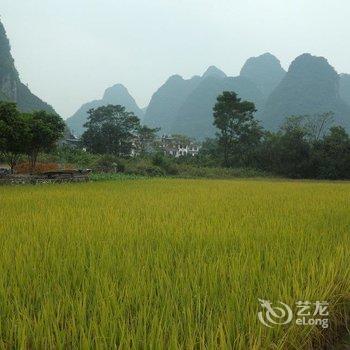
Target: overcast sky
70	51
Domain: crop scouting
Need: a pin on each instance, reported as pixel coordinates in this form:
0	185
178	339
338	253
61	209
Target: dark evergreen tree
238	131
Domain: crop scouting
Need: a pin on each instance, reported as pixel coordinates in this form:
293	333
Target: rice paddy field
171	263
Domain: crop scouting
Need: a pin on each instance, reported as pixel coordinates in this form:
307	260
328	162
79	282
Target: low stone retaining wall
22	180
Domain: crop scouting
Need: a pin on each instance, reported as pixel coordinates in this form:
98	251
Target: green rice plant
170	263
113	176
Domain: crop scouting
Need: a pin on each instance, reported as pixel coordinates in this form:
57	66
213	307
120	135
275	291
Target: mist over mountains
184	106
310	86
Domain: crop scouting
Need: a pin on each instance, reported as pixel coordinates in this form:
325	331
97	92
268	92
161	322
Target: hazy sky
70	51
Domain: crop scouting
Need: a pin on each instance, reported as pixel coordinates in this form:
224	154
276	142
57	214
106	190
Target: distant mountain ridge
11	87
265	71
115	95
195	117
344	87
214	72
311	86
167	100
185	105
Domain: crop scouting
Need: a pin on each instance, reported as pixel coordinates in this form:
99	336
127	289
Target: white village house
173	146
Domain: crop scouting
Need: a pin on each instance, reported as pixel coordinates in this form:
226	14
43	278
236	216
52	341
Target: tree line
303	147
110	130
27	133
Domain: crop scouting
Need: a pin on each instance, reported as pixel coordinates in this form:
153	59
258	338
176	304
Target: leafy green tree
110	130
332	155
209	153
239	133
286	153
146	139
318	125
314	126
14	133
45	129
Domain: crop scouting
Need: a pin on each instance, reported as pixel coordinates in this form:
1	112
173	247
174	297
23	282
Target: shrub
160	160
169	165
76	156
172	169
109	163
152	170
